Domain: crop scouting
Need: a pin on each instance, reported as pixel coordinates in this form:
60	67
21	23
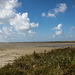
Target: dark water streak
68	45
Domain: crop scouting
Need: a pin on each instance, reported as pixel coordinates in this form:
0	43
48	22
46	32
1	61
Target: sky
37	20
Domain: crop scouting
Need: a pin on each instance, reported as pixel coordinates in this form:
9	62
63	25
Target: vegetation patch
56	62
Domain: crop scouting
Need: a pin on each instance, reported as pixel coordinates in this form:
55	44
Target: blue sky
37	20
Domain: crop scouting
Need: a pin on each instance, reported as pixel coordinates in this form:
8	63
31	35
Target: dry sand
8	54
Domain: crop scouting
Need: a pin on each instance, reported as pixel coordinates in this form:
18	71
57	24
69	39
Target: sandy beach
11	51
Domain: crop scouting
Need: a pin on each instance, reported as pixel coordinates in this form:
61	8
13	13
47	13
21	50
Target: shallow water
69	45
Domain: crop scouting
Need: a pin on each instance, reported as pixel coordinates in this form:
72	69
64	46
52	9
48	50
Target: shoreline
9	54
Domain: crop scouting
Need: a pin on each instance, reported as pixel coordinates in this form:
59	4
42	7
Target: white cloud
14	23
58	27
0	31
21	23
7	10
51	14
58	30
43	14
7	32
60	8
31	32
33	25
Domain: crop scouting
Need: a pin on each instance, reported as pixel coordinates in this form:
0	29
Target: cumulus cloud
7	10
7	32
58	27
21	22
33	25
12	21
51	14
60	8
58	30
0	31
31	32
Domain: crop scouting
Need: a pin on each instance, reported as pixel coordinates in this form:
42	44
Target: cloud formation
51	15
60	8
31	32
12	21
58	27
21	22
7	10
58	30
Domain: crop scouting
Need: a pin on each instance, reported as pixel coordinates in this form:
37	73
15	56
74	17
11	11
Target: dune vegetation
57	62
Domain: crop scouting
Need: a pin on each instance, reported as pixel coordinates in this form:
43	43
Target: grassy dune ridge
56	62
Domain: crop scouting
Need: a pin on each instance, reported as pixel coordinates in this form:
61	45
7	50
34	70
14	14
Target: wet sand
11	51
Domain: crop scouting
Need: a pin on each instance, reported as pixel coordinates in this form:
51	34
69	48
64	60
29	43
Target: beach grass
57	62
